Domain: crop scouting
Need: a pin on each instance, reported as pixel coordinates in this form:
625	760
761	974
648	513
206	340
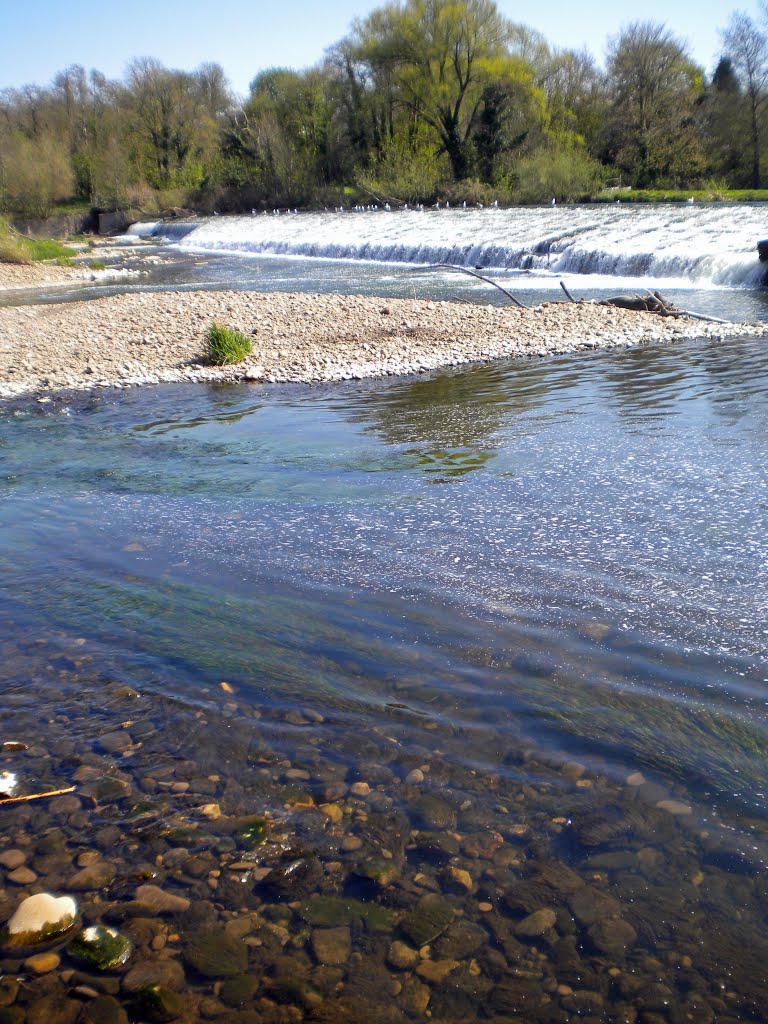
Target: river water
487	648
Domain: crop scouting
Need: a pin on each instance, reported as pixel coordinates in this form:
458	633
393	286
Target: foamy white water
692	245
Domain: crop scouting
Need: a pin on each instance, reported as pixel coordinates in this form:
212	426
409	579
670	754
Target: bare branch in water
466	270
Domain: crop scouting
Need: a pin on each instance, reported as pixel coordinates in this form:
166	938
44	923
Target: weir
688	245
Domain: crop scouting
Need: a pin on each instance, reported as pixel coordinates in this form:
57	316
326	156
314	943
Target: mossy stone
159	1005
103	1010
428	919
239	991
101	947
216	955
253	833
430	812
378	870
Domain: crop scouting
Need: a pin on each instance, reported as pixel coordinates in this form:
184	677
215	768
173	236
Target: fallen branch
562	285
466	270
37	796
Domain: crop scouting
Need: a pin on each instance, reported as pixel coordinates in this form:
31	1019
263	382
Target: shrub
224	345
565	174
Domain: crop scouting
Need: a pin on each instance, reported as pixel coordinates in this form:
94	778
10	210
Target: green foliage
224	346
406	171
567	175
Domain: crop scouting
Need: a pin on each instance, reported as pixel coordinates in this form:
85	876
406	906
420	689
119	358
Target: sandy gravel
147	338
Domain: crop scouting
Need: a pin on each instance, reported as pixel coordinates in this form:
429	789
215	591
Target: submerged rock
159	1005
216	955
39	919
101	947
429	918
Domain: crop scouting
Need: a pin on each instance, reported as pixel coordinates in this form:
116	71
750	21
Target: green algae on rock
101	947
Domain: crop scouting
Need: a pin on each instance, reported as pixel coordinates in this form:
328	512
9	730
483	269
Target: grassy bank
16	248
670	195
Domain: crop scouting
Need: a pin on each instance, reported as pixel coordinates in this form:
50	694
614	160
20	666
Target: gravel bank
148	338
35	275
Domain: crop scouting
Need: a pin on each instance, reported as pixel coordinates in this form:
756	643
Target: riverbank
135	339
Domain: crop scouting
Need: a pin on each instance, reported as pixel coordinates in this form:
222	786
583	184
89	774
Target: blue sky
40	37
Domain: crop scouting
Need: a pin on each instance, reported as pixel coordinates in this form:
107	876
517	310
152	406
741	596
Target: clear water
486	576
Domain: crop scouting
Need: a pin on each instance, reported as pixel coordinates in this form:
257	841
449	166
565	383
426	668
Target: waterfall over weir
681	245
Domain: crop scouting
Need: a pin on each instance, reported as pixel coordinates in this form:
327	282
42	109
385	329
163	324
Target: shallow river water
439	697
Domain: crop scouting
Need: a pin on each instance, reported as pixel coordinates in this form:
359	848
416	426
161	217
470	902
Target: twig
37	796
466	270
562	285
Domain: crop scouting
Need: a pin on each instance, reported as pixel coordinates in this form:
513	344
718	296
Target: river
488	649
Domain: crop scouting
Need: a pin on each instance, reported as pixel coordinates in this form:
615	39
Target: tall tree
440	54
652	131
747	48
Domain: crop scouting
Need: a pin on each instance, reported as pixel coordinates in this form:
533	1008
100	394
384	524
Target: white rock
41	917
8	783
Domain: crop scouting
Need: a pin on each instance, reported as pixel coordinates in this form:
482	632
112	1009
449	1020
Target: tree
440	54
747	49
652	129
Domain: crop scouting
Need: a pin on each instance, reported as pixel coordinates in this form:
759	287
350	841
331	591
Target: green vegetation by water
224	346
15	248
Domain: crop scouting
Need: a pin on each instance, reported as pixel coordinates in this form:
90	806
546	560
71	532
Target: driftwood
473	273
651	303
36	796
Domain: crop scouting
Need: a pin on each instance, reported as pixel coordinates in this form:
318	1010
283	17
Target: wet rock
436	971
460	940
38	919
159	1005
675	807
378	870
612	937
415	995
239	991
402	956
103	1010
331	911
294	879
331	946
159	901
42	963
9	989
436	846
99	875
536	924
589	905
431	812
115	742
12	859
429	918
216	955
54	1008
521	996
22	876
101	947
103	983
165	973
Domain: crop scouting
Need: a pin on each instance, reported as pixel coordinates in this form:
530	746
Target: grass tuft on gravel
225	345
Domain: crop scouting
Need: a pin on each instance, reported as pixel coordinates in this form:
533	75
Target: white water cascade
687	245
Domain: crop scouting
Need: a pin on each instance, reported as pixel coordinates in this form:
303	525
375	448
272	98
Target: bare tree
747	48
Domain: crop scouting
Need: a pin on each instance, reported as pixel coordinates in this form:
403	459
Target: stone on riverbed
101	947
429	918
39	919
